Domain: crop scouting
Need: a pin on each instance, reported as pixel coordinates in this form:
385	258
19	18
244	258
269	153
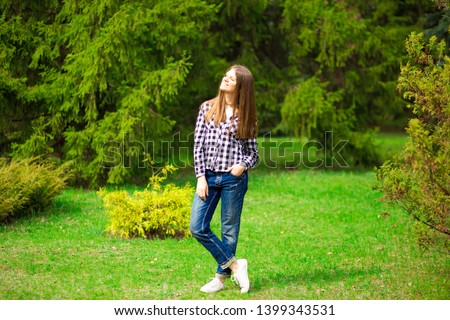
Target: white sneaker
241	275
212	286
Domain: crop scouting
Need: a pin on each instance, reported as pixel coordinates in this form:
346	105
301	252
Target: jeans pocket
240	176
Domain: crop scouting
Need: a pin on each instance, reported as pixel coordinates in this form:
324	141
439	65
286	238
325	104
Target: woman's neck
229	99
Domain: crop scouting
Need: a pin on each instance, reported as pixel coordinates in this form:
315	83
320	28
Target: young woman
224	148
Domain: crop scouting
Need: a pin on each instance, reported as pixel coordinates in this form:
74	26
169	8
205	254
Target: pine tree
90	81
344	58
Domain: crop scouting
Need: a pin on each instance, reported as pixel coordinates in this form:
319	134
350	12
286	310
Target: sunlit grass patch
306	235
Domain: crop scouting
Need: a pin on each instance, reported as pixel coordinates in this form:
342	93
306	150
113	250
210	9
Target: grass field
306	235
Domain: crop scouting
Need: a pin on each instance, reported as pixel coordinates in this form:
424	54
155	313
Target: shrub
28	185
157	211
418	179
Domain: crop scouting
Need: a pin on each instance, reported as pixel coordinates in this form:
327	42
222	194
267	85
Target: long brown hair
243	102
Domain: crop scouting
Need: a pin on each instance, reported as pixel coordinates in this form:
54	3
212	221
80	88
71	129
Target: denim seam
203	228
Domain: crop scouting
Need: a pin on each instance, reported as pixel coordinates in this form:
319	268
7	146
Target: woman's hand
202	187
236	170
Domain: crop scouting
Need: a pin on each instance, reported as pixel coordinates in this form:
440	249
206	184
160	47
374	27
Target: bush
158	211
28	185
418	179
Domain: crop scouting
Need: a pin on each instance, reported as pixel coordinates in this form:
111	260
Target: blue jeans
231	189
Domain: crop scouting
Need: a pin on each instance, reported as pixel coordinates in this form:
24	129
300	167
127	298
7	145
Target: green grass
306	234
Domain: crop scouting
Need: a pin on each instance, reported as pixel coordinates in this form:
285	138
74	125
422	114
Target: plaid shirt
217	148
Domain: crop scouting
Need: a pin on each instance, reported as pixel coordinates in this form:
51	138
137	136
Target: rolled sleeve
251	155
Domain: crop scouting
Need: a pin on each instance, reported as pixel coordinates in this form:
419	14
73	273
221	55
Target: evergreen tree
99	82
90	81
344	56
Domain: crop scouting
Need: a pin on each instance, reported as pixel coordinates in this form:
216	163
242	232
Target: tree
344	56
92	81
99	82
419	178
438	22
246	32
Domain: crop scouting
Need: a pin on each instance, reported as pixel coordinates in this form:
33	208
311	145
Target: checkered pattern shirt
217	148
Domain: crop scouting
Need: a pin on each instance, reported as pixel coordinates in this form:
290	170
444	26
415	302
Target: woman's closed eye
229	77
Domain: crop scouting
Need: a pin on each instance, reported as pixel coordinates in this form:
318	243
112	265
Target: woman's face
228	81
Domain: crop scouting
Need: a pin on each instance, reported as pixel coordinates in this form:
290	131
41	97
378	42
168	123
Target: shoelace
233	279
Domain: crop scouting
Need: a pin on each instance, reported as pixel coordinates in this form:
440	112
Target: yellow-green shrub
28	185
158	211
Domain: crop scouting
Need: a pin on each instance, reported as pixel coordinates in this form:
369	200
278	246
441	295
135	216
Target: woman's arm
199	139
250	158
251	154
199	156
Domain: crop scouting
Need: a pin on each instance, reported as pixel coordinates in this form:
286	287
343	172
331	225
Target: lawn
306	234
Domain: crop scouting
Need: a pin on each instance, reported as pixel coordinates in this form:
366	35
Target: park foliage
85	81
29	185
161	210
419	178
76	75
